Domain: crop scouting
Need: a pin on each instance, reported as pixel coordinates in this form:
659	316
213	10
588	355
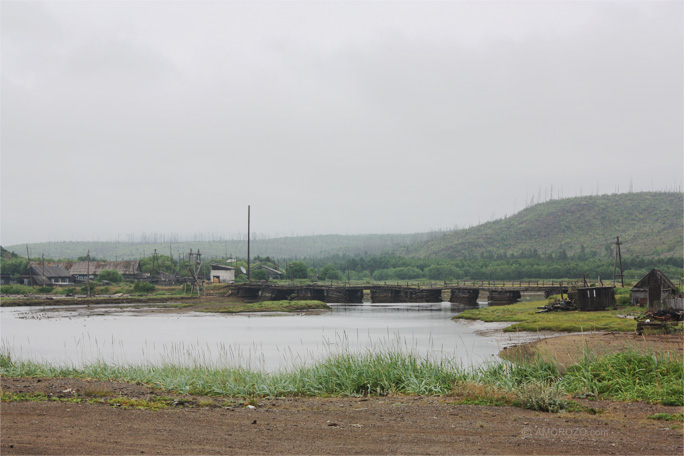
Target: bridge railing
504	284
511	283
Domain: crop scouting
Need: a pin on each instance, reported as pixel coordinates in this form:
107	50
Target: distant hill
649	225
285	247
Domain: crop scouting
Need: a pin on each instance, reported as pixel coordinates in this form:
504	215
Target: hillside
649	225
285	247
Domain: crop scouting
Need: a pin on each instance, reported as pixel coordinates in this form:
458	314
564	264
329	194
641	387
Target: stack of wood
560	305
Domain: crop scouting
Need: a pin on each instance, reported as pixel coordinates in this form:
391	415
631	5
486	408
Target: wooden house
130	270
595	298
47	274
656	291
222	274
272	274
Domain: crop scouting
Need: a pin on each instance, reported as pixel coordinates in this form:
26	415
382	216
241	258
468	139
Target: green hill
649	225
285	247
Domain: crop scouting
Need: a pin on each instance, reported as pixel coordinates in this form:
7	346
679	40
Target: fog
125	117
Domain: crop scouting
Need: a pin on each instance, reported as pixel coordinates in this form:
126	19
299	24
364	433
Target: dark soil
377	425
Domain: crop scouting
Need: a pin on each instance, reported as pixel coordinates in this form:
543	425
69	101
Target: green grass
538	385
667	417
526	319
272	306
6	396
628	376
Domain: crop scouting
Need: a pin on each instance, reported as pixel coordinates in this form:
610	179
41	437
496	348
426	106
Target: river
128	334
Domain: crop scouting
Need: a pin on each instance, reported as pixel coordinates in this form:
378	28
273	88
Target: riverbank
167	303
524	317
564	351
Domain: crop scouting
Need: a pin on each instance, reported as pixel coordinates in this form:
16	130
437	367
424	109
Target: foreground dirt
386	425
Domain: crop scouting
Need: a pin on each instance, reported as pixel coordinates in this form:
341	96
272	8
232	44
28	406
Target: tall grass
630	376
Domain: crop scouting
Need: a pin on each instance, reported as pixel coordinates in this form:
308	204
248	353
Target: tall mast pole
248	240
28	256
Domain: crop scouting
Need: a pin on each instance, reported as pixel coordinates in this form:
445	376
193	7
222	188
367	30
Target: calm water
76	336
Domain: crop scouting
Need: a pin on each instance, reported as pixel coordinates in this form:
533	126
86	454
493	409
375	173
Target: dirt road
385	425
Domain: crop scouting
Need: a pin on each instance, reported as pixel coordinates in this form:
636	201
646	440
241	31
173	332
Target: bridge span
357	294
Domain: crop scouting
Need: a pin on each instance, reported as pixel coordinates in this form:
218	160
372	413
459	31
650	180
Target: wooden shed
656	291
595	298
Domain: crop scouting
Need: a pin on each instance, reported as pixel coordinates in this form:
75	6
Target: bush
144	287
16	289
45	289
84	288
539	396
623	300
110	275
330	273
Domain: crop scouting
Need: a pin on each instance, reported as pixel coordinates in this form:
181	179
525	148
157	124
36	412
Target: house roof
49	270
658	276
95	267
221	267
271	270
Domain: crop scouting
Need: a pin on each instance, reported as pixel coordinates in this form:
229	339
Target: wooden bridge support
344	295
467	296
502	297
425	295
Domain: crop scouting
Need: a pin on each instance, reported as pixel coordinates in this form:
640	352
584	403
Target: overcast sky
132	117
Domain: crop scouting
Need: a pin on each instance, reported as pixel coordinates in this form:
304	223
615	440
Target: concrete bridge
390	293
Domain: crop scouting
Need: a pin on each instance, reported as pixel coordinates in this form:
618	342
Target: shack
222	274
595	298
655	291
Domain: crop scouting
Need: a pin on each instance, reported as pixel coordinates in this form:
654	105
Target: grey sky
328	117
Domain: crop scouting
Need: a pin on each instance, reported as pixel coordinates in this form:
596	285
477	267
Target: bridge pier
503	297
467	296
344	295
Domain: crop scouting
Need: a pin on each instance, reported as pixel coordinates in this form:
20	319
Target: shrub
623	300
45	289
539	396
16	289
110	275
143	287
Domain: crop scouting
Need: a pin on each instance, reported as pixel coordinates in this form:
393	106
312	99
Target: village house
655	291
47	274
222	274
130	270
272	274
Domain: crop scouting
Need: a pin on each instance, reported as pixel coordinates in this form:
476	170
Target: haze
328	117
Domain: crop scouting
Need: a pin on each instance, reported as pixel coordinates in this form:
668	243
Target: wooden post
28	255
88	274
248	241
618	258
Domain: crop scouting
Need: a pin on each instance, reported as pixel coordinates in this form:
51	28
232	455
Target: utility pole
88	274
618	260
248	241
28	255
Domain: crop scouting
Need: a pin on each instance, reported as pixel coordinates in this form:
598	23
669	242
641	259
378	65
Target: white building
222	274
